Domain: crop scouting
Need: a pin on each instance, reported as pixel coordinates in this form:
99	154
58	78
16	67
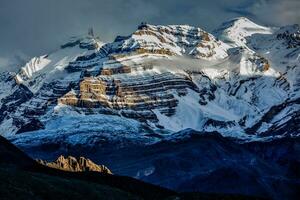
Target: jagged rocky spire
142	25
91	32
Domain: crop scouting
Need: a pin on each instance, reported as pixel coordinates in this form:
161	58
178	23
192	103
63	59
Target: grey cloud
276	12
36	27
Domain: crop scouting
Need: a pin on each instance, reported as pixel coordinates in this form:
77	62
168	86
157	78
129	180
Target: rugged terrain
73	164
24	178
148	92
243	81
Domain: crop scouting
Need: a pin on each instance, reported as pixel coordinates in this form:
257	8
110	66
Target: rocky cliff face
242	82
73	164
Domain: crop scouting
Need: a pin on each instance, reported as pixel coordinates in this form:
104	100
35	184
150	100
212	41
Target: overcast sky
35	27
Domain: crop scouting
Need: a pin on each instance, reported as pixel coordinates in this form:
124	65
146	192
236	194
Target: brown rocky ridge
73	164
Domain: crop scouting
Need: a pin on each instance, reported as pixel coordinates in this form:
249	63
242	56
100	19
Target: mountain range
166	103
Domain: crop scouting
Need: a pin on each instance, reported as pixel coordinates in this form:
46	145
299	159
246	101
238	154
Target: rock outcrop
131	92
73	164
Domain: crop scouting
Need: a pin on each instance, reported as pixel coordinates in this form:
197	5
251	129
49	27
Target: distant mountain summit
236	31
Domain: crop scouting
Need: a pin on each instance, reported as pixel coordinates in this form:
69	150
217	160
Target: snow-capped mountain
238	31
243	82
172	105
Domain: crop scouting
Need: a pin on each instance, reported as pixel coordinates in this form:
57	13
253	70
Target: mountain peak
241	19
89	42
240	22
169	40
236	31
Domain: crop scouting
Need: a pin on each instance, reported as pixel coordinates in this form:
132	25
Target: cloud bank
36	27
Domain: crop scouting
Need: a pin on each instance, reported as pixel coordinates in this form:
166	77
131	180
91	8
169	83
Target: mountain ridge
162	60
23	178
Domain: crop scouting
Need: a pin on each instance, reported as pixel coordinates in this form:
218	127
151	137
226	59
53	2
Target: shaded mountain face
23	178
12	156
202	162
73	164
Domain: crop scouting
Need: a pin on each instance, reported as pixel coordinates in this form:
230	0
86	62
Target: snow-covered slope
171	40
160	80
42	68
237	31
